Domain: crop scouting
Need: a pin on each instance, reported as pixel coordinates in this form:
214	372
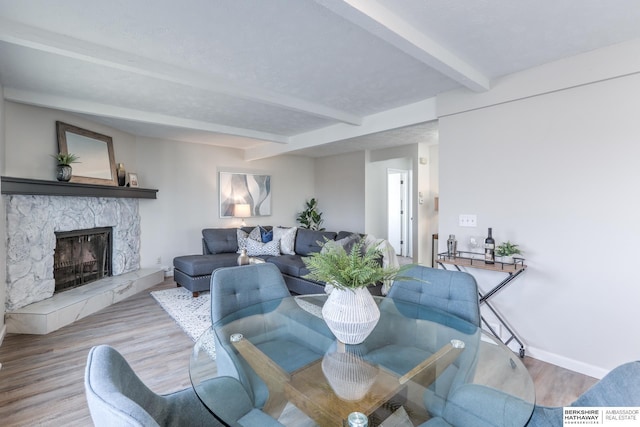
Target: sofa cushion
220	240
291	265
243	236
255	248
266	235
343	234
201	265
310	241
287	238
255	234
346	243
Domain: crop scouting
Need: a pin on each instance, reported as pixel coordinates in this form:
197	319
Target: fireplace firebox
81	257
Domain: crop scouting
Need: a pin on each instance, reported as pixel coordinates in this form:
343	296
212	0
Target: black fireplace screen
81	257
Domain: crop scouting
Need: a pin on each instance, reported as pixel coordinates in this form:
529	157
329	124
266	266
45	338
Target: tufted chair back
453	292
234	288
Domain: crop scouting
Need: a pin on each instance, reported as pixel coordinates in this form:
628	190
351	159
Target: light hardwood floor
41	380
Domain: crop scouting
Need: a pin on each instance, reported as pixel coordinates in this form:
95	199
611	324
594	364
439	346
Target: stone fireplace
32	224
37	212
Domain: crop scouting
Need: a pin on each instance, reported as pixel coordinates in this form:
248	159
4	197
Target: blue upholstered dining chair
252	292
233	288
449	298
448	292
620	387
117	397
485	407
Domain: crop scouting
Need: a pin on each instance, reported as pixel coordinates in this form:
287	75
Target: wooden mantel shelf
40	187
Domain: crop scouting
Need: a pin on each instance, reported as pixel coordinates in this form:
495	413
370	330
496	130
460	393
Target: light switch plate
468	220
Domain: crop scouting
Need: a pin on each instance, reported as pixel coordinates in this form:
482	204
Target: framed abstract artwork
244	188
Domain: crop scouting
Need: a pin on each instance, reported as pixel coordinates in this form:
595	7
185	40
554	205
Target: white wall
340	191
556	172
187	178
31	140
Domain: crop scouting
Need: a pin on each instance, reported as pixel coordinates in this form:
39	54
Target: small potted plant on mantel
64	170
350	311
507	250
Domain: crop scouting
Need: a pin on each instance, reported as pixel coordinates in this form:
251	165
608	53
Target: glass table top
417	364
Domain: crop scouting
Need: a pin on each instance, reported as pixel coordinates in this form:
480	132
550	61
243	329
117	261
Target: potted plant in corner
507	250
64	170
350	311
310	217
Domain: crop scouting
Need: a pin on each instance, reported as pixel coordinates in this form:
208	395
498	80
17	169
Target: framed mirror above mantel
96	161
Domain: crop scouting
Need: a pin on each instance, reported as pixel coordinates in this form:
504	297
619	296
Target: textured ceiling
299	76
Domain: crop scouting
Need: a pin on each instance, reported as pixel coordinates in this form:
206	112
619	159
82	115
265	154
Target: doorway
398	211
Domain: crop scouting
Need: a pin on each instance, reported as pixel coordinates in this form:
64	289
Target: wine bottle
489	249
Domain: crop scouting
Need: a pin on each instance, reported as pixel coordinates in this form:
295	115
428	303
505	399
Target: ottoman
193	272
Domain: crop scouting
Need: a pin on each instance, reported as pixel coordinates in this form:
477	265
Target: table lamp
242	210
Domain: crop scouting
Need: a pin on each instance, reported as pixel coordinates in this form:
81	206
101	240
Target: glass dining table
419	366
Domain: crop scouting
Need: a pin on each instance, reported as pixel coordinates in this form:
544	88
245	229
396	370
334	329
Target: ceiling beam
385	24
419	112
22	35
112	111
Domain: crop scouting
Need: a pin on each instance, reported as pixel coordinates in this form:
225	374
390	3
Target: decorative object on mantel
98	165
133	179
350	311
122	175
310	217
64	169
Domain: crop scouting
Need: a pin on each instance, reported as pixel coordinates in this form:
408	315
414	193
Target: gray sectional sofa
220	249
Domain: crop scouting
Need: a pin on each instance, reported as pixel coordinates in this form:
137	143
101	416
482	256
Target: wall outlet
468	220
159	260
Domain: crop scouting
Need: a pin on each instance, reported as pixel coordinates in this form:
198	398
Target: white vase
351	314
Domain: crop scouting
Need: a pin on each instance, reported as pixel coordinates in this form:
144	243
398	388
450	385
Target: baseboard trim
567	363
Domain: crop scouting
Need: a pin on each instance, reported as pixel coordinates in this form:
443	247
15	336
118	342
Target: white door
397	214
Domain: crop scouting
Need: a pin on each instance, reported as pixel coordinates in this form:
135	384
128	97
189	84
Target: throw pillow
242	239
266	235
255	234
287	238
346	243
255	248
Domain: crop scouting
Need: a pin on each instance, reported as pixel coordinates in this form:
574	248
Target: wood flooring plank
42	377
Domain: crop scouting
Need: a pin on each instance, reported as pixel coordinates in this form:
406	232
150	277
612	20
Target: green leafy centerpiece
350	311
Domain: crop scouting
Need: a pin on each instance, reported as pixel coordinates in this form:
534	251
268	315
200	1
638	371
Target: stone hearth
66	307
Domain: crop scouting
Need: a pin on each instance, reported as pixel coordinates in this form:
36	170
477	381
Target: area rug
193	315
